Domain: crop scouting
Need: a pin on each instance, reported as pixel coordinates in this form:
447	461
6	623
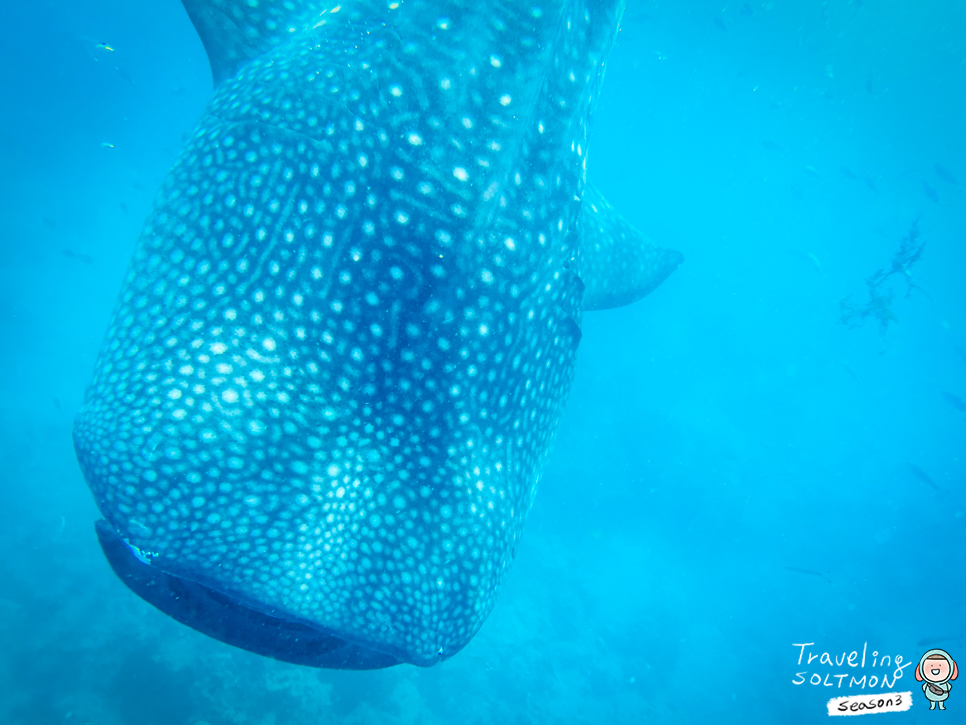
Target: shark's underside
341	354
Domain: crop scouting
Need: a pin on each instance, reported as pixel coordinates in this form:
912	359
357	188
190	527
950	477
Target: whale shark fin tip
617	264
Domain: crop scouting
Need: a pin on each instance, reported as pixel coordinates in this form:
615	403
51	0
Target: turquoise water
737	472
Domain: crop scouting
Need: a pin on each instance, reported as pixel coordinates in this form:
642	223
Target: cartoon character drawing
935	670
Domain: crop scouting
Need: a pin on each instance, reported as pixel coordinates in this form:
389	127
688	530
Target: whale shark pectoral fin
234	31
617	264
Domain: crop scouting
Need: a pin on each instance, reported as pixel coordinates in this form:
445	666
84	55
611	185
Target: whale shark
343	346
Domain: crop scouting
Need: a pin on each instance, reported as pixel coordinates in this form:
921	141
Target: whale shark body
341	353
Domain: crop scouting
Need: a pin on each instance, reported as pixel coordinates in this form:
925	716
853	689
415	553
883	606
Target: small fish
811	259
813	171
747	10
104	46
807	572
57	402
955	401
871	184
944	174
71	254
849	370
106	145
923	476
847	172
815	263
124	76
720	25
929	191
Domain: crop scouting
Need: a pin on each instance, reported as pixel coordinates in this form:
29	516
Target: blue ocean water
738	474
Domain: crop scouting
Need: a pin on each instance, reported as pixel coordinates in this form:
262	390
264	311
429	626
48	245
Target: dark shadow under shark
341	353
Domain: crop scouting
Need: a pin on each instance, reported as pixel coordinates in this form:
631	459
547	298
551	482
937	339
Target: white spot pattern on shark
341	353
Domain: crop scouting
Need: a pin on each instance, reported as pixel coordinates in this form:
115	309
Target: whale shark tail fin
234	31
617	264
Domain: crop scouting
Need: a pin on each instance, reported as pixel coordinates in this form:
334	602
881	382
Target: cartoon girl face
936	670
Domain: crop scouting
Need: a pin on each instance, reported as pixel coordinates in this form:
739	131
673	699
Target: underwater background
747	463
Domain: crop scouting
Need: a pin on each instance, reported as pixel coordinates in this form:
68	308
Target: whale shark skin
341	352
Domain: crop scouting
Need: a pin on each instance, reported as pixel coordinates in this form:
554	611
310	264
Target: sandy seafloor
737	470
